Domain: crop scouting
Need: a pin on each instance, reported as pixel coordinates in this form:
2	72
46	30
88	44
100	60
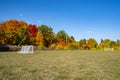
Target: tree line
20	33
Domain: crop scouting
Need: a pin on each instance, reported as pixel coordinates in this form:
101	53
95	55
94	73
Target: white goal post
26	49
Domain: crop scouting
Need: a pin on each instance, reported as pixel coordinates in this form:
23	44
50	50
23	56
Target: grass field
60	65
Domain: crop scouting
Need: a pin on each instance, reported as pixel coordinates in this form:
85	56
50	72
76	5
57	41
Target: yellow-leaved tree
40	40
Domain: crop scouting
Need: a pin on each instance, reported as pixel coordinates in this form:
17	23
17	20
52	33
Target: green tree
62	35
107	43
112	44
118	42
101	45
25	37
47	34
82	44
117	47
71	39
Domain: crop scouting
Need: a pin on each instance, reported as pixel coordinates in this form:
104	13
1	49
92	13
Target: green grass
60	65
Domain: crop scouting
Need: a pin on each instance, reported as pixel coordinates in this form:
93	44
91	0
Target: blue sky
99	19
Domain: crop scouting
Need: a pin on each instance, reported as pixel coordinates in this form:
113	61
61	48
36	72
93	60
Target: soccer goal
26	49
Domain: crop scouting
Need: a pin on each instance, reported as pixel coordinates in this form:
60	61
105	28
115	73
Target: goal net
26	49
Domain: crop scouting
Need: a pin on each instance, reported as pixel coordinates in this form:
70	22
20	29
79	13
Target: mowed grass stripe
60	65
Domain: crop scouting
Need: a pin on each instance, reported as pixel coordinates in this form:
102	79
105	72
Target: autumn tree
9	28
15	32
2	35
107	43
11	24
39	38
24	36
23	33
92	43
33	30
101	45
62	37
71	39
73	45
47	34
82	44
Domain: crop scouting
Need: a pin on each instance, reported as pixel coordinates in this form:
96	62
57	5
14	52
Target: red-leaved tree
33	30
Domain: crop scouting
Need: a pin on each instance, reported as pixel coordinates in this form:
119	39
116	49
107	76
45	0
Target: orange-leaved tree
92	43
15	32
